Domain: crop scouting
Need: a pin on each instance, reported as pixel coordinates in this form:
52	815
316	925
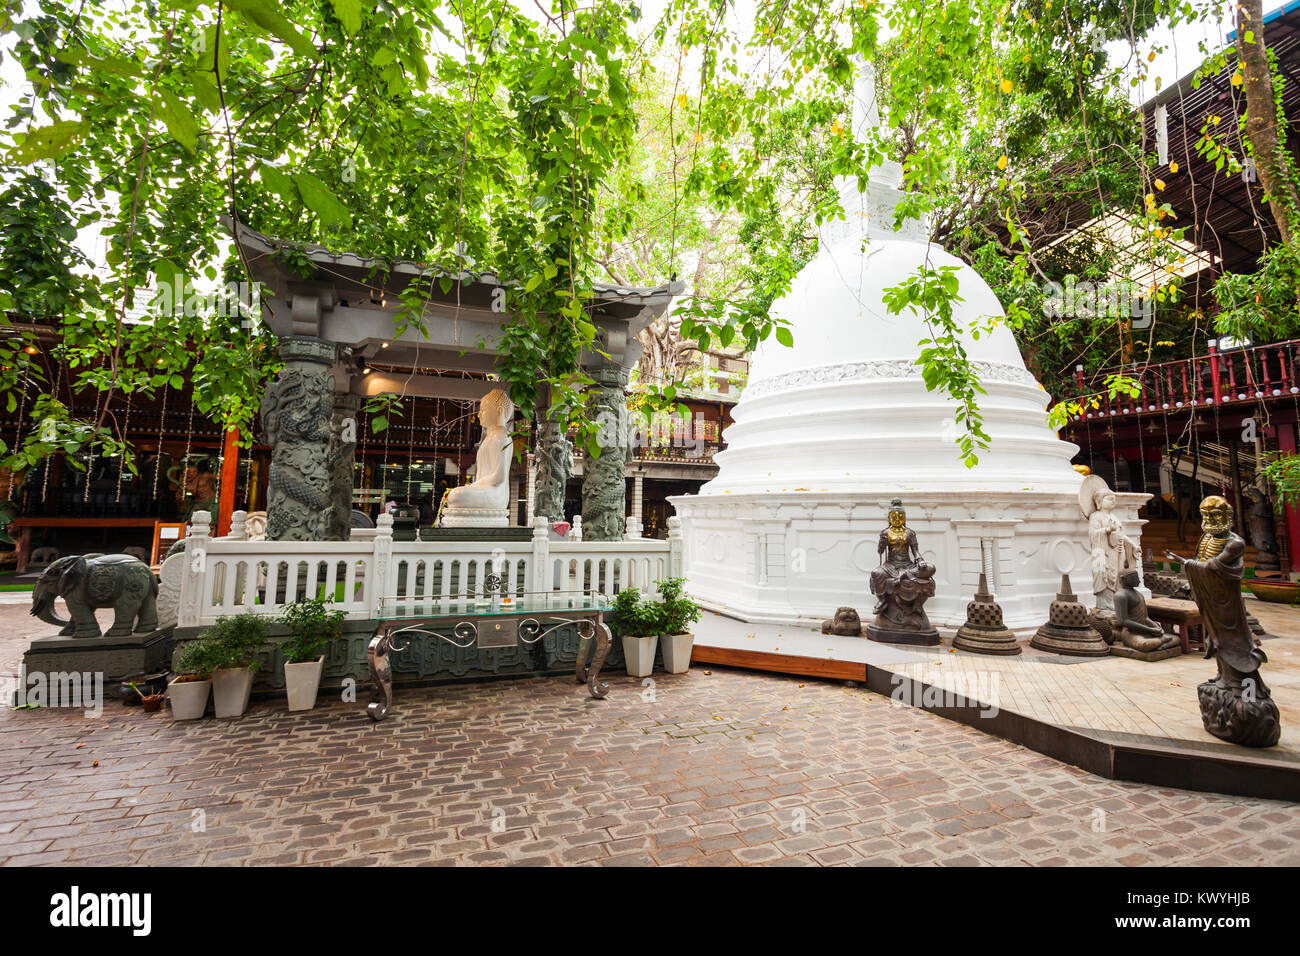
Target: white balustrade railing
233	574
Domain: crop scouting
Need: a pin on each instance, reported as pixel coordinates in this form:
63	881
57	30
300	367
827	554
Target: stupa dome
847	406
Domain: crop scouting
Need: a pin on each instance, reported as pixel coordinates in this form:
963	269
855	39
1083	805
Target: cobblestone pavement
720	767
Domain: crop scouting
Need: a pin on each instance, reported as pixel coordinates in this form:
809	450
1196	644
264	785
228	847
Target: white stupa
827	432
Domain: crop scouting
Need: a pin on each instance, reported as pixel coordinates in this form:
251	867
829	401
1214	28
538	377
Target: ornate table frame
503	627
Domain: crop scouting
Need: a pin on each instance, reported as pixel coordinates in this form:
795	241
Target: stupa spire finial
866	111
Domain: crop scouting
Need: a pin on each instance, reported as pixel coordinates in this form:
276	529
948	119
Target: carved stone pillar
342	457
604	484
554	465
297	419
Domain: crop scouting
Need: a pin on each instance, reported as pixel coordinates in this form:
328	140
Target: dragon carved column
604	479
554	465
298	418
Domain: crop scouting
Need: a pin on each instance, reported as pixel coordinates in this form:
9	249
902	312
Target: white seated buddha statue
485	502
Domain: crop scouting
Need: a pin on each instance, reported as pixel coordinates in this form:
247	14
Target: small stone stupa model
902	583
1068	630
984	632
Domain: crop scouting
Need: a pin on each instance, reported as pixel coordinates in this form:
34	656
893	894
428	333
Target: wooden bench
1185	618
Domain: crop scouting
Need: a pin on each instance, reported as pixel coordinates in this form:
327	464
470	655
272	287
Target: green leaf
784	336
318	198
116	65
266	14
180	122
278	182
47	142
205	91
349	14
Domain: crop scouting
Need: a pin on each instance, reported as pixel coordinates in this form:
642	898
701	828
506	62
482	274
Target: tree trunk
1261	119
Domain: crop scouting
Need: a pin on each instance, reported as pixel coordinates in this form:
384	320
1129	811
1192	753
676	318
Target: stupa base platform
979	644
898	635
1118	718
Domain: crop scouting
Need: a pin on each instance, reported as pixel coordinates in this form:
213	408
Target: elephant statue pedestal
135	644
116	658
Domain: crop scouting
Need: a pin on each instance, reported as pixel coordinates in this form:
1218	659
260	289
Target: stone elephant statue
87	582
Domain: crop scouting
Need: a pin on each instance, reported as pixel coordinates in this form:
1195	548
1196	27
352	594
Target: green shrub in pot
313	626
238	638
638	626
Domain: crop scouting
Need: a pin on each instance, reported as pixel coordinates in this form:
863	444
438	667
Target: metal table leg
381	673
596	631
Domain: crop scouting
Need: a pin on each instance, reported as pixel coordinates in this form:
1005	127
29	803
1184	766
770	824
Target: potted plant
189	689
151	702
638	628
676	613
312	627
236	640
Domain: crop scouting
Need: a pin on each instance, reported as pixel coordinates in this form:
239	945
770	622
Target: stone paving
721	767
711	767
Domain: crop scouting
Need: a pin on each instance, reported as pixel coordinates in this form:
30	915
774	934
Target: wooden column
229	477
1286	443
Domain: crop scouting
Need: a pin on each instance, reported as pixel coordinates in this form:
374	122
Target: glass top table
493	619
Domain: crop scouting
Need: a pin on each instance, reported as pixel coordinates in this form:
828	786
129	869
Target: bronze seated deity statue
902	584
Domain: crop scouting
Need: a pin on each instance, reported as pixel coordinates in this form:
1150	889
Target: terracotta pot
189	698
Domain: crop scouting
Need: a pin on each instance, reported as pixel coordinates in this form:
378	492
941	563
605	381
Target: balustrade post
195	579
381	565
538	580
1215	385
675	562
238	526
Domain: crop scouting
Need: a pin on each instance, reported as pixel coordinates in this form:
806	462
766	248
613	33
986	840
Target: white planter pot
639	654
189	698
302	681
230	689
677	652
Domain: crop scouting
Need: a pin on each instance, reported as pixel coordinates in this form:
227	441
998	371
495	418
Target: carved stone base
1123	650
894	635
114	657
1074	641
986	641
476	518
1228	715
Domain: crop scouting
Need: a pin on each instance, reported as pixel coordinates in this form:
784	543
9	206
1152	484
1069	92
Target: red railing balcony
1216	378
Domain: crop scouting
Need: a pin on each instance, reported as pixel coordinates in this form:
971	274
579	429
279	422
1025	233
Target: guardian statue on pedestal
1236	705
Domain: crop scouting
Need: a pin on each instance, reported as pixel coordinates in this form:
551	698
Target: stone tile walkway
711	767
